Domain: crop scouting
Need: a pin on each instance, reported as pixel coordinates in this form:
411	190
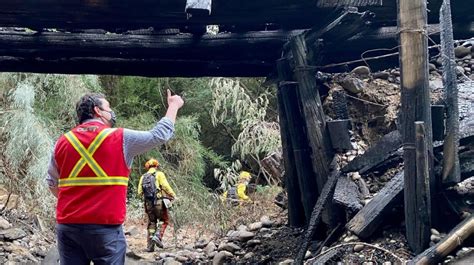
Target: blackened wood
364	190
295	206
347	195
198	7
451	169
318	137
467	163
323	200
368	220
438	118
339	134
415	106
302	153
454	239
376	154
336	3
339	105
423	197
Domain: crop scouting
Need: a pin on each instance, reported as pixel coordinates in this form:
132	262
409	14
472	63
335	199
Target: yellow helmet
151	163
244	175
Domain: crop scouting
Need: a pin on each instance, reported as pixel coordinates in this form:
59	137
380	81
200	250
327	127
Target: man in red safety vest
88	173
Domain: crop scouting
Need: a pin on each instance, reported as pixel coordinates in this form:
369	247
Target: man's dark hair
85	106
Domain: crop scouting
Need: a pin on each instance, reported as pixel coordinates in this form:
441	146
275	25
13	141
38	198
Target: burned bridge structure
293	43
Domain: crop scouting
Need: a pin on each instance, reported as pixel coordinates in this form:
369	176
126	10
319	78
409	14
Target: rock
432	67
253	242
230	232
362	71
382	75
4	224
434	232
221	257
460	71
201	243
356	176
182	259
353	85
395	72
212	254
308	254
242	236
171	261
132	231
13	234
211	247
248	255
461	51
435	238
12	201
242	228
358	247
387	263
266	222
286	262
231	247
352	238
436	84
255	226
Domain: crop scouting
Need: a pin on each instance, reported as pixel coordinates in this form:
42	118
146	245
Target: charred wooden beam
382	150
455	238
137	67
368	220
347	195
336	3
295	206
339	134
451	169
323	200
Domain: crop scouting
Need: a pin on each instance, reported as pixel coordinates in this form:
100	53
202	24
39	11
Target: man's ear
97	111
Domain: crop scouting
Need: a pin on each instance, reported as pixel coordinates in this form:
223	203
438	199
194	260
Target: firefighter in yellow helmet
237	193
158	195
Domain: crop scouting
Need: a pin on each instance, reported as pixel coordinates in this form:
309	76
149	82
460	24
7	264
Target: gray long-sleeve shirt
134	143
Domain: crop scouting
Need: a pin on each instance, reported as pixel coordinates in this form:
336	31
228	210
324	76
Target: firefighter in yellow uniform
158	195
237	194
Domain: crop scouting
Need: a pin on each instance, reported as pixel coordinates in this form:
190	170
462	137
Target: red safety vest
93	175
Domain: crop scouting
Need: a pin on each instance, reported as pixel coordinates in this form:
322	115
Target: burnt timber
158	38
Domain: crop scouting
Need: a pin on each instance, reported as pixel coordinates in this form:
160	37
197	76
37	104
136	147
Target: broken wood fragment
367	220
455	238
339	134
347	195
376	154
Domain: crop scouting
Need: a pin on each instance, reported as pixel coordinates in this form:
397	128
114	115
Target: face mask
113	118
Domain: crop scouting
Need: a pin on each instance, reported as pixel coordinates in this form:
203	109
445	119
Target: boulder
255	226
361	71
461	51
231	247
353	85
211	247
221	257
4	224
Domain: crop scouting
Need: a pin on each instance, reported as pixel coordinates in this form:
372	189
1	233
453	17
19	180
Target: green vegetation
223	122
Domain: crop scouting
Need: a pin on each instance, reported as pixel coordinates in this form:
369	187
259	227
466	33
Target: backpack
149	186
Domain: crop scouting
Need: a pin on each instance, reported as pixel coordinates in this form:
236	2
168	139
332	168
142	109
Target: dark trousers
83	243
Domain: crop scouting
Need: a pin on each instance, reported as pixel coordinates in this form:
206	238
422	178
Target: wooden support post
415	106
295	206
451	169
437	115
455	238
313	112
318	138
423	197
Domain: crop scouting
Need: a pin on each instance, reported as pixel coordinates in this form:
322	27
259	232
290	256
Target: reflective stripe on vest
101	177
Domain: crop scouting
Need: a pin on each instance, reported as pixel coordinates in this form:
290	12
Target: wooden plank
451	169
376	154
454	239
347	195
369	219
415	105
337	3
323	200
339	134
423	197
295	207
